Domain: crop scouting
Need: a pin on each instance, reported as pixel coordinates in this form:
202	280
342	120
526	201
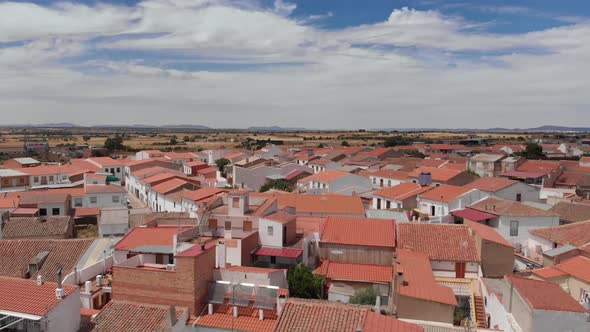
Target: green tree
303	283
221	163
86	138
279	184
173	141
365	296
533	151
345	143
114	143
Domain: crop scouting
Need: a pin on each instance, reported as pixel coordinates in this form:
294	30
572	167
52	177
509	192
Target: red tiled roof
25	211
325	176
578	267
571	212
207	170
247	320
390	174
375	322
252	269
25	296
324	204
294	174
355	272
168	186
15	256
130	316
418	279
86	212
549	272
106	161
280	217
438	174
316	315
444	193
490	184
456	166
402	191
105	189
504	207
576	234
523	175
445	242
202	193
159	177
544	295
52	170
432	163
149	236
488	233
538	166
359	231
35	227
279	252
473	215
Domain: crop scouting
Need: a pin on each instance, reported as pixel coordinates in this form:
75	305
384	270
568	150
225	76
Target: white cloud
284	8
338	85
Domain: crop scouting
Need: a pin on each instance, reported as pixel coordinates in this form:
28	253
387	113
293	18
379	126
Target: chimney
235	311
493	208
210	308
171	316
59	291
260	314
425	179
88	287
40	280
99	280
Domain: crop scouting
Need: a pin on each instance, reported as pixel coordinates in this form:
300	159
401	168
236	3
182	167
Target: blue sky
309	63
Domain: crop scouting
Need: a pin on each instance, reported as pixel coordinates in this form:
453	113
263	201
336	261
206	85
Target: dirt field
192	141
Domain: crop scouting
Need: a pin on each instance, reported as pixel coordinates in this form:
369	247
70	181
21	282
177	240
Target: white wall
498	315
275	240
525	225
550	320
65	316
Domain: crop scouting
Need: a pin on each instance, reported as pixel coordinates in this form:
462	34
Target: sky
317	64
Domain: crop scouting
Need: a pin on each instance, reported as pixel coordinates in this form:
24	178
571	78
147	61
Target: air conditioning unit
59	293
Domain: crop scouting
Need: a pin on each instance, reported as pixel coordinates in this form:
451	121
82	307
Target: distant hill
275	128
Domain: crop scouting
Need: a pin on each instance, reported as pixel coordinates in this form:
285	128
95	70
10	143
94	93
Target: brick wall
186	286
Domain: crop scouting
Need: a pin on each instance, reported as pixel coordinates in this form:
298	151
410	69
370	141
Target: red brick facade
186	286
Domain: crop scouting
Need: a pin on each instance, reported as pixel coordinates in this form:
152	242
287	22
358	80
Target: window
21	180
55	211
118	170
36	179
514	228
270	231
433	210
42	212
235	202
93	199
228	225
518	197
51	178
273	260
374	180
115	199
77	202
389	183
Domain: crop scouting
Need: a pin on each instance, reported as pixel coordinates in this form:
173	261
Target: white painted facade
377	181
444	208
446	269
270	233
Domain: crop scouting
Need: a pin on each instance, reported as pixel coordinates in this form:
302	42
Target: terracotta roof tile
490	184
446	242
359	231
322	204
168	186
503	207
571	212
488	233
247	320
418	279
390	174
375	322
149	236
316	315
15	256
576	234
202	193
325	176
438	174
402	191
549	272
34	227
444	193
541	166
356	272
25	296
280	217
544	295
133	317
578	267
